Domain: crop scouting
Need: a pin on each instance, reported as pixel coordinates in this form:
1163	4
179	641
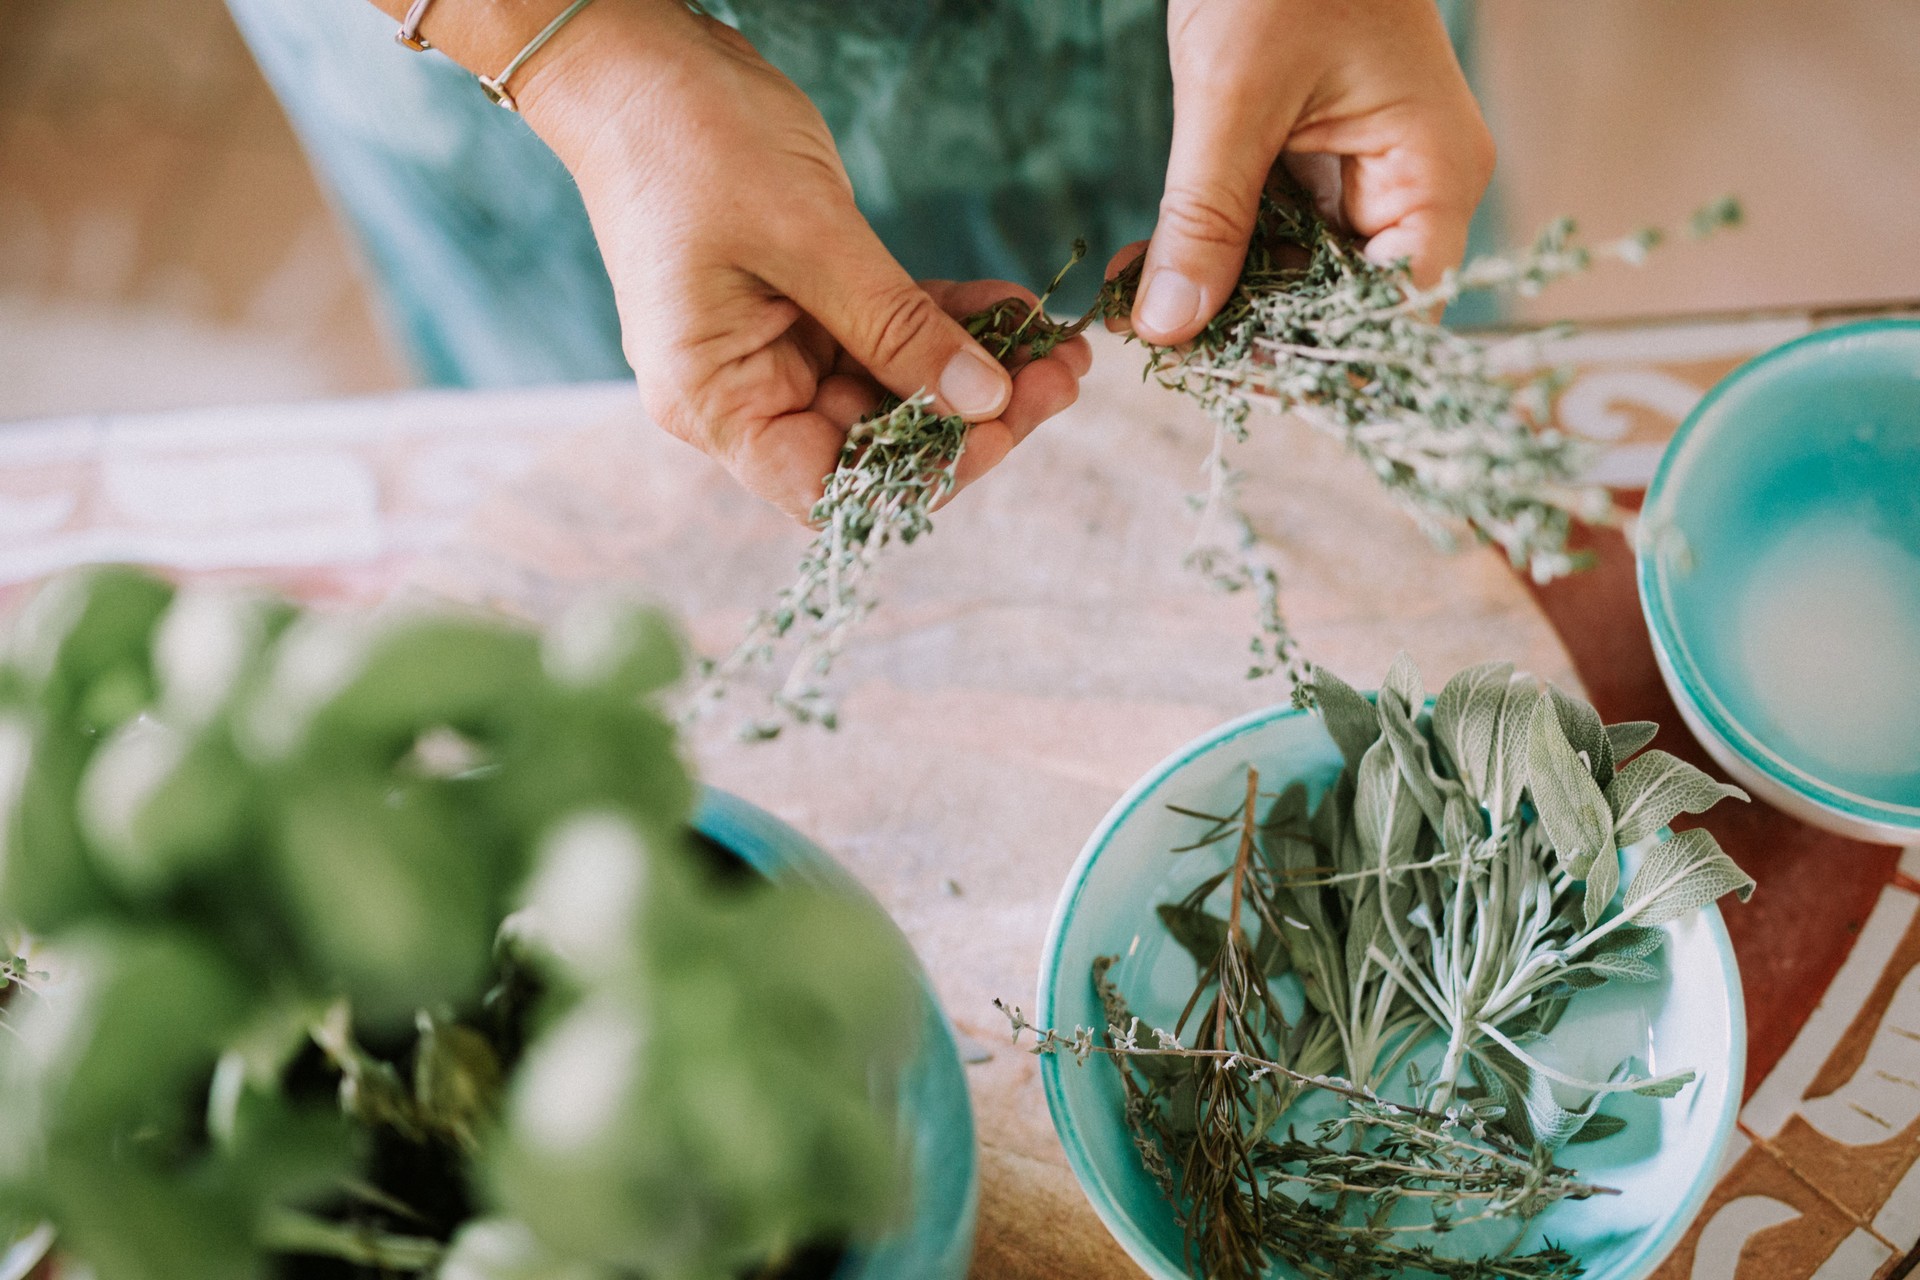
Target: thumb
845	278
1215	174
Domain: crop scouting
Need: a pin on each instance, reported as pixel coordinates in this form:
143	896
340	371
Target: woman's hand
1371	82
760	312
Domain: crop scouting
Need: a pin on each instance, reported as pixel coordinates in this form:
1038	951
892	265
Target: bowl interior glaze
1779	568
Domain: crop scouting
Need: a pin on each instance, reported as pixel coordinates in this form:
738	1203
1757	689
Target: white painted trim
1781	1093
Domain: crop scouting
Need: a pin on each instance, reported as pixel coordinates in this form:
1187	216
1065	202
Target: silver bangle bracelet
409	32
496	86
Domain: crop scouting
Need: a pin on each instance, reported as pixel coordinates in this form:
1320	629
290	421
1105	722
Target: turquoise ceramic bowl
1779	569
1664	1163
937	1241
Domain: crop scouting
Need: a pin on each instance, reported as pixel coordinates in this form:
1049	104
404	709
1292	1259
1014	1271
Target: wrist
589	73
569	86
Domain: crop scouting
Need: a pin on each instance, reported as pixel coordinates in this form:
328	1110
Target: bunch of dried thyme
1444	421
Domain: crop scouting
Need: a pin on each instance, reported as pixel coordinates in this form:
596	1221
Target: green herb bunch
1452	891
1447	422
896	466
376	946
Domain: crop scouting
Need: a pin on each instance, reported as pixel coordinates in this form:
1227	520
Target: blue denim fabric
982	138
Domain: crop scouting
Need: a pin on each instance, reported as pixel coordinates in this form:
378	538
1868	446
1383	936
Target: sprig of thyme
1314	329
897	465
1318	331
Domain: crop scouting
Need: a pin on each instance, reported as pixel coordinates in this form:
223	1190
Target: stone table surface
1032	659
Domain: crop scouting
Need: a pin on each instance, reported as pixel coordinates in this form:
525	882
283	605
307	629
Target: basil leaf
1681	875
1657	787
1573	811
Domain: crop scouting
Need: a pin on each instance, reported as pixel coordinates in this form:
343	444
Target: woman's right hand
760	312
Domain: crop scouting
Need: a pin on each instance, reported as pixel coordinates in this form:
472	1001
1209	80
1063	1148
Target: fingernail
972	384
1172	302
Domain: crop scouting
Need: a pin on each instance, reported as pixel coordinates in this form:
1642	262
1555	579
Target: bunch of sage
1452	891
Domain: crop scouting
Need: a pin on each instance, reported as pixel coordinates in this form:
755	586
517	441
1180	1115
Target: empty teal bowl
935	1242
1779	570
1664	1163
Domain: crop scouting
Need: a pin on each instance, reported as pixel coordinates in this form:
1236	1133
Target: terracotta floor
161	243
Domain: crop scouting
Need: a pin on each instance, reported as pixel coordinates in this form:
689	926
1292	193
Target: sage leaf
1666	1086
1654	789
1681	875
1507	771
1403	680
1367	926
1466	718
1622	968
1533	1114
1630	940
1599	1125
1271	954
1603	881
1460	827
1585	733
1572	808
1414	754
1289	812
1384	808
1201	935
1350	719
1630	736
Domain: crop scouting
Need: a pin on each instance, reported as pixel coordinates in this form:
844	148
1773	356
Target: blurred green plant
367	946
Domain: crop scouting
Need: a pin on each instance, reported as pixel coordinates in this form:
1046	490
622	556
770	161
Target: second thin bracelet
496	86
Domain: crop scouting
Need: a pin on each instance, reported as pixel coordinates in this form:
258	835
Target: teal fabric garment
982	137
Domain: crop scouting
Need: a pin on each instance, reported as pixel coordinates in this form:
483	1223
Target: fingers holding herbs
1373	83
760	312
